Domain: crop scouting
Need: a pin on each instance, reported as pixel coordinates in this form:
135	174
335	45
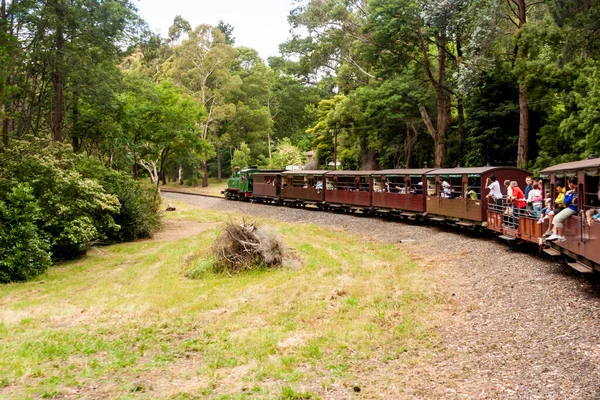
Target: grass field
126	322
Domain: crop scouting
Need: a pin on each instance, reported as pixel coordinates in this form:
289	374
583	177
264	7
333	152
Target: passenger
559	205
529	186
570	209
446	189
508	208
495	194
535	200
593	214
547	208
419	188
518	198
471	193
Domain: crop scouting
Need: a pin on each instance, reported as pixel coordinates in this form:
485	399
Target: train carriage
399	191
267	185
303	187
581	231
349	189
458	195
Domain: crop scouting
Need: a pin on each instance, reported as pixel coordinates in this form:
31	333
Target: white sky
260	24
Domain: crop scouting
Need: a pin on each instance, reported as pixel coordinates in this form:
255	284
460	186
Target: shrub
55	202
24	252
139	208
75	211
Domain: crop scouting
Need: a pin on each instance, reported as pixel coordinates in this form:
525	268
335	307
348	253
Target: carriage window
451	186
416	184
474	186
592	185
330	183
395	184
377	187
299	181
364	184
345	183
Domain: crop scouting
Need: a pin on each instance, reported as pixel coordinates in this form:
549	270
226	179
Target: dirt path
522	327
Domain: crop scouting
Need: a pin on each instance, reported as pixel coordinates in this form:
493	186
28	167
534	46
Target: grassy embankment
125	322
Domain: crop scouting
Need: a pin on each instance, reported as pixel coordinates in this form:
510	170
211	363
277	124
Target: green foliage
241	157
139	209
286	154
492	107
58	203
75	211
24	251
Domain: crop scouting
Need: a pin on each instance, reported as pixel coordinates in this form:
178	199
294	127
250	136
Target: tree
160	122
201	65
286	154
241	157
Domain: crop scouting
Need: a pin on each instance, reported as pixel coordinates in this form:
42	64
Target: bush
55	202
24	253
139	211
75	211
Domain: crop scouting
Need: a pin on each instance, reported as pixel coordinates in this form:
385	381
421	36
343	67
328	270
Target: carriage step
467	224
507	237
409	215
584	269
437	219
552	252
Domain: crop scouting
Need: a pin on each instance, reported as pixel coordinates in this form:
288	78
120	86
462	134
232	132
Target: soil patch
182	229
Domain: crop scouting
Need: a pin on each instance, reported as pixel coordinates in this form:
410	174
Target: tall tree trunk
219	169
443	108
75	138
58	80
442	102
460	108
180	177
523	149
204	174
5	126
195	176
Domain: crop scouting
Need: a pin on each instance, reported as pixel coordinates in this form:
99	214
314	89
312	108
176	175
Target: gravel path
521	327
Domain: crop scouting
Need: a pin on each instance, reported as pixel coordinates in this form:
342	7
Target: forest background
401	83
91	97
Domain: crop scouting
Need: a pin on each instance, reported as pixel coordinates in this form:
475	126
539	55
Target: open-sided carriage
581	231
303	187
349	190
399	191
267	186
458	195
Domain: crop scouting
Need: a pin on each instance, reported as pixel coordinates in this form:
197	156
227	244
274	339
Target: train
449	196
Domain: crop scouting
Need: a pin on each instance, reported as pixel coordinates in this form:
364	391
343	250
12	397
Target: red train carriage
581	231
399	191
459	194
267	186
349	189
303	187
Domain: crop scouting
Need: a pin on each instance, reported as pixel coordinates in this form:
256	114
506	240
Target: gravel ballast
521	326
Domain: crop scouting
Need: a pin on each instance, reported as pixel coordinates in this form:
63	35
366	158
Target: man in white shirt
495	193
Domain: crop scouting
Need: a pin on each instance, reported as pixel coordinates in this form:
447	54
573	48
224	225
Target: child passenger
534	199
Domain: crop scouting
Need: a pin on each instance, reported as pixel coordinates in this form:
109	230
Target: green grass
126	322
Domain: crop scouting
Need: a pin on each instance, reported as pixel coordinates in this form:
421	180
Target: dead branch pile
246	246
